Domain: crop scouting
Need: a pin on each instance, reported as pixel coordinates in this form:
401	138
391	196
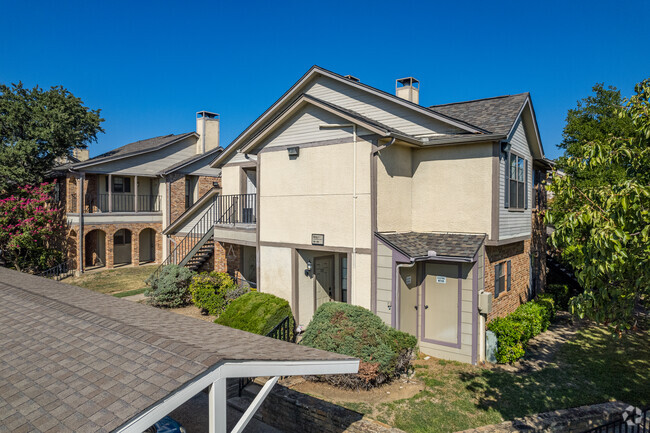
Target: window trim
523	183
507	277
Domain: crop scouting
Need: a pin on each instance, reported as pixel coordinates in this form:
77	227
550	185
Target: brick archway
122	246
147	245
95	251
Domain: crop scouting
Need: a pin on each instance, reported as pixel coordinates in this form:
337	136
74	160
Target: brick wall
176	195
90	244
71	194
518	254
206	183
227	258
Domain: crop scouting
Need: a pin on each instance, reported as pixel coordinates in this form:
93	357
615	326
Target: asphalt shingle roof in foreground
79	361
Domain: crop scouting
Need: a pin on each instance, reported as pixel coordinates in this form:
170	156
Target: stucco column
110	192
135	248
109	250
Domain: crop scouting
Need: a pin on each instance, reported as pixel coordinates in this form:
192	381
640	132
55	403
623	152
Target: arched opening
122	247
95	249
147	246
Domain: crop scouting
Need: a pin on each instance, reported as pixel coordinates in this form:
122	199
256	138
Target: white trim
255	404
235	369
217	407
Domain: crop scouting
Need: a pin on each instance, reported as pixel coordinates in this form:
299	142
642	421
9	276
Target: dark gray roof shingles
418	244
75	360
496	115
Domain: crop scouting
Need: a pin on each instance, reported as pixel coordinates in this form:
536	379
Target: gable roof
497	114
416	245
135	148
77	360
179	165
292	93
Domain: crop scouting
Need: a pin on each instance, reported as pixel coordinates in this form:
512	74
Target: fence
60	271
634	421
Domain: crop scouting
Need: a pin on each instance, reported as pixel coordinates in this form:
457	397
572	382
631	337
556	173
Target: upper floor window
516	182
120	184
190	187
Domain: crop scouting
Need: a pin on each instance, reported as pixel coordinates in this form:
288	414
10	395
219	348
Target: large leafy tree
603	228
594	118
38	126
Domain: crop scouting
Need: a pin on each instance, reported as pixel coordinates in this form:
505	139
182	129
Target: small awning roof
76	360
418	245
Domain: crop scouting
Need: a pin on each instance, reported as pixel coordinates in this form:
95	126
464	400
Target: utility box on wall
485	302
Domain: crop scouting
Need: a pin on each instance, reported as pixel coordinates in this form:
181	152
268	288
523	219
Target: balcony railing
236	209
122	203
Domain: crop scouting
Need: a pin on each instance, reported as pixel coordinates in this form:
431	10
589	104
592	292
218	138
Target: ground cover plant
355	331
256	312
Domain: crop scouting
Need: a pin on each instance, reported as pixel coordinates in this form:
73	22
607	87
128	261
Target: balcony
236	209
103	203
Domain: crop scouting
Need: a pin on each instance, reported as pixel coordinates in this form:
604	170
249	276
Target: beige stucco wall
275	271
452	189
394	181
314	194
231	180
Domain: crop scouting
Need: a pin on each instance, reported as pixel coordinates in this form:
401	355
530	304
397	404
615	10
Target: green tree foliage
38	126
603	229
595	118
32	229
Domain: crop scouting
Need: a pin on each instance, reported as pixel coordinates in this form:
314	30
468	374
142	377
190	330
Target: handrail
195	236
239	208
59	271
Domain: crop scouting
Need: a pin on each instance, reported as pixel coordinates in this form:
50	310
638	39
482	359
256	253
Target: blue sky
151	65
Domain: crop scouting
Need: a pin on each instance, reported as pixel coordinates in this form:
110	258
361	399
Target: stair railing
195	237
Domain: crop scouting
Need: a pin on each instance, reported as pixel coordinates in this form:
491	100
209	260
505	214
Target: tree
32	229
38	126
594	118
603	229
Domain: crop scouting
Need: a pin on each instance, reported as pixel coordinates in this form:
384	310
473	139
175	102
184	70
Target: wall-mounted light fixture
308	270
293	152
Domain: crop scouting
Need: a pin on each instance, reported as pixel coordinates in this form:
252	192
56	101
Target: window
189	191
501	278
517	182
121	184
122	237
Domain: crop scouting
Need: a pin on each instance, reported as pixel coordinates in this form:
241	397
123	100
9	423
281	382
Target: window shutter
508	284
526	184
506	188
496	280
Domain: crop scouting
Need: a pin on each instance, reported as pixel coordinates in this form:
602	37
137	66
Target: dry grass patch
114	280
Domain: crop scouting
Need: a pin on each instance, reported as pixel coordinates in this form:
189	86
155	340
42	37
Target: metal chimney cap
408	81
207	114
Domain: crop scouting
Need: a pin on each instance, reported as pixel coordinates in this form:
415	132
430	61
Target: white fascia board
233	369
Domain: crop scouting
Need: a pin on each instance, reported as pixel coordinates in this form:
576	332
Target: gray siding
515	223
149	163
304	127
377	108
384	281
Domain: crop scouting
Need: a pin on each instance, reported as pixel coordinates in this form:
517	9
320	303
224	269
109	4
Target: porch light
308	270
293	151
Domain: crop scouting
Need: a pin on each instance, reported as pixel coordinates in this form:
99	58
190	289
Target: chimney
81	154
408	88
207	126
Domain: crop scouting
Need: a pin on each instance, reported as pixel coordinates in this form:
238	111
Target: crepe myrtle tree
603	229
32	229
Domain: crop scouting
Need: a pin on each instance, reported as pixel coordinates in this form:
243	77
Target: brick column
135	248
220	260
109	250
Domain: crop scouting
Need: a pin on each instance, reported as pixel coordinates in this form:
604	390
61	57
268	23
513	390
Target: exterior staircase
202	256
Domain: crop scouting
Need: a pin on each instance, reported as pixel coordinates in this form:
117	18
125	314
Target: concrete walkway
135	298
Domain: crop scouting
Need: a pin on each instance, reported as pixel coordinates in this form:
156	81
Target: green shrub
170	288
561	294
213	291
256	312
510	336
355	331
514	331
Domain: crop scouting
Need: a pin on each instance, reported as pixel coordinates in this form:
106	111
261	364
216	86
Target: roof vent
408	88
352	78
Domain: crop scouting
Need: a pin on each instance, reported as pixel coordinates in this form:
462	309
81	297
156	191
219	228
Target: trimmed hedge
256	312
352	330
213	291
170	288
514	330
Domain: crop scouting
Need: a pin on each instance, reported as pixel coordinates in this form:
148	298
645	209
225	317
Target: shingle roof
75	360
418	244
191	160
148	145
496	115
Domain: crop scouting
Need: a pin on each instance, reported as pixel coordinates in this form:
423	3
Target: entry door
408	301
324	280
441	303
